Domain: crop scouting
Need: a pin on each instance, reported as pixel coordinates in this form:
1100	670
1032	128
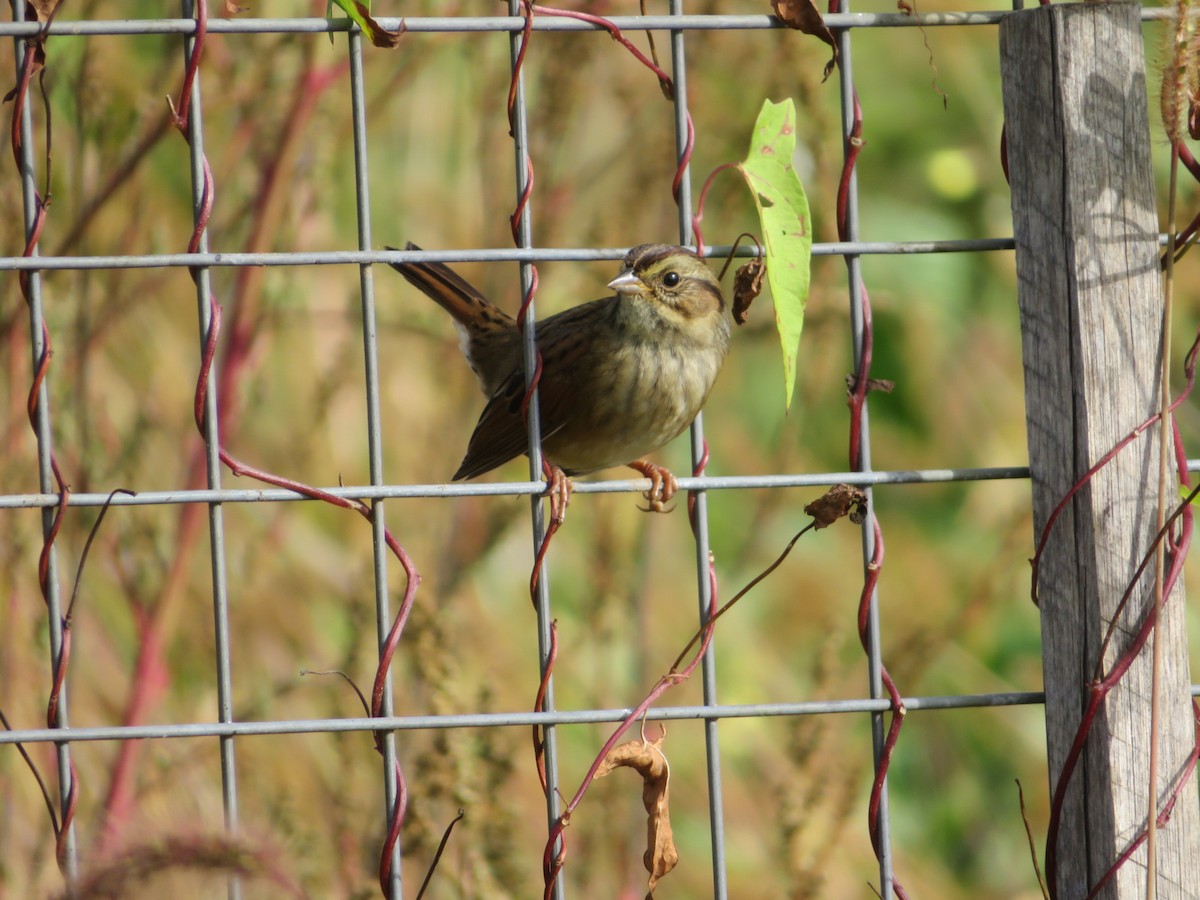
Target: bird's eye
671	279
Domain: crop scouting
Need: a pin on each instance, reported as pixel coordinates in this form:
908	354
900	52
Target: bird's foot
558	488
663	486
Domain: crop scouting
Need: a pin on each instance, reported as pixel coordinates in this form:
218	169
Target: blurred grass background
955	586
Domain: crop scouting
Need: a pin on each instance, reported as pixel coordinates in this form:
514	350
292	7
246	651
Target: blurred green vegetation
954	590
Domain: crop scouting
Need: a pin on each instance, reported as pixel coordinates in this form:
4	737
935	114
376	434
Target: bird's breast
631	401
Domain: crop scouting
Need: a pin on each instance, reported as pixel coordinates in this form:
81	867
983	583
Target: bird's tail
453	293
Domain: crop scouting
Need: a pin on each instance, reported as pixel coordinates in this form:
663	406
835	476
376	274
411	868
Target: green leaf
360	12
785	223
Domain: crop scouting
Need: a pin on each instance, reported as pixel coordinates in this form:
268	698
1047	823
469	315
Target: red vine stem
395	820
1165	546
552	866
31	62
857	403
554	855
858	393
514	220
1099	689
20	94
853	146
698	216
514	81
557	486
1164	814
664	80
182	113
1184	238
1051	521
539	701
552	862
899	711
685	159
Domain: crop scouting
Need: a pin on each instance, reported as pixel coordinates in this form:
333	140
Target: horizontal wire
545	254
473	24
525	488
521	488
493	720
541	254
523	718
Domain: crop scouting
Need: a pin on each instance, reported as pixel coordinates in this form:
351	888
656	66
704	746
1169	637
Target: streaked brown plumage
621	376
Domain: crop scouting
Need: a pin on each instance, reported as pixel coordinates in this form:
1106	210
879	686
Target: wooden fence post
1091	320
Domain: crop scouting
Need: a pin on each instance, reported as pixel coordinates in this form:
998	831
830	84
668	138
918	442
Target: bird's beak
627	283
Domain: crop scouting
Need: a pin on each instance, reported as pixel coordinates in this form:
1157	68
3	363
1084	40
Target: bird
621	376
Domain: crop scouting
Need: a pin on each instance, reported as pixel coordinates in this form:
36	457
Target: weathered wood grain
1091	319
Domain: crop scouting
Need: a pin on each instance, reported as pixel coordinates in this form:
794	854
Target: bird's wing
501	433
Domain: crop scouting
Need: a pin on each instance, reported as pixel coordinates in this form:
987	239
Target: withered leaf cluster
747	284
838	501
803	15
648	760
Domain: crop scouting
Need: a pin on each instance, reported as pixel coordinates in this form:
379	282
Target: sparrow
621	376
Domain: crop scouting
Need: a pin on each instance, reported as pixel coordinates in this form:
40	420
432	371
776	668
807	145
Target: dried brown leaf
747	284
360	13
873	384
44	8
379	35
648	760
838	501
804	16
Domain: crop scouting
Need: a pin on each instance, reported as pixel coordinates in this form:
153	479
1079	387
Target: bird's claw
663	486
558	488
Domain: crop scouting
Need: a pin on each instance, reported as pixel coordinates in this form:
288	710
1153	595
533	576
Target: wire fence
215	502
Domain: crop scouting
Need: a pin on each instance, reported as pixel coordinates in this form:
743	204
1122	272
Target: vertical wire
212	450
46	480
383	617
856	288
708	671
524	234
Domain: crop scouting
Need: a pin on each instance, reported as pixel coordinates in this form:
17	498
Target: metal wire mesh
216	495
